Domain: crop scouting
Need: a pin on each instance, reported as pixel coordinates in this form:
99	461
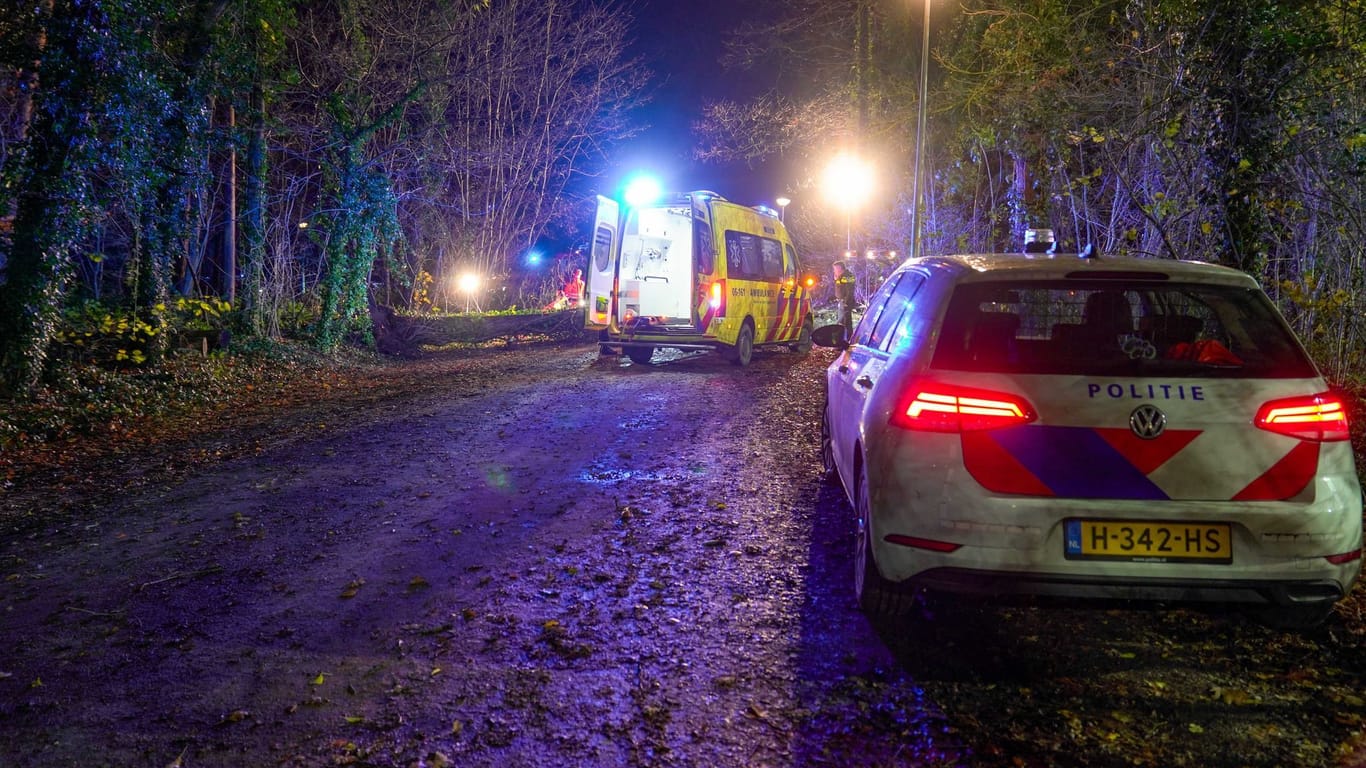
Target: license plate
1151	542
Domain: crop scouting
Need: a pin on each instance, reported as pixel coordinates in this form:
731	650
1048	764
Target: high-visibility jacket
573	291
844	288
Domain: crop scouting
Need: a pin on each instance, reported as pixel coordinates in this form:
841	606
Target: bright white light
469	282
642	190
848	181
783	202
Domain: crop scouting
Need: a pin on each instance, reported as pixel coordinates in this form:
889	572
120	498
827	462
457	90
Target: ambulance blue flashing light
642	190
533	258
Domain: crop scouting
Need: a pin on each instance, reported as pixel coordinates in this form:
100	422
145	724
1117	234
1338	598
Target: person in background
844	294
573	290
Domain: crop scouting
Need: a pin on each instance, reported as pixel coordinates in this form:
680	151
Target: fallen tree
401	334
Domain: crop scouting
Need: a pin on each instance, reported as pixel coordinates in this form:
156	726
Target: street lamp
782	202
920	134
469	284
848	183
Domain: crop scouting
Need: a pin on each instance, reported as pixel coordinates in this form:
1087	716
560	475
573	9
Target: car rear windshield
1147	328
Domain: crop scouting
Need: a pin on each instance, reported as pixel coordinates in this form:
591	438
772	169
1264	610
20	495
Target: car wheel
876	596
743	351
831	471
640	355
803	343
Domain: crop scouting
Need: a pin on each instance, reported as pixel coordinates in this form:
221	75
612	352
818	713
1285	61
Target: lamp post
782	202
920	134
848	183
469	285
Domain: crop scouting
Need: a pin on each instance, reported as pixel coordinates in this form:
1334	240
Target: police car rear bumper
1015	584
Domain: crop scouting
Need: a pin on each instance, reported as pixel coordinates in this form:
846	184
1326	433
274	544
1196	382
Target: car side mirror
830	336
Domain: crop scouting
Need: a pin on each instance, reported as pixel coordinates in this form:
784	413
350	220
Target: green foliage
199	314
1327	319
92	333
297	317
100	334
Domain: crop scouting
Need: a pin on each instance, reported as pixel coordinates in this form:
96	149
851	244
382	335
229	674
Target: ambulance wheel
877	597
743	351
640	355
803	343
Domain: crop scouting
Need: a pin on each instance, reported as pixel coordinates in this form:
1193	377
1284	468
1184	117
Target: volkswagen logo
1147	421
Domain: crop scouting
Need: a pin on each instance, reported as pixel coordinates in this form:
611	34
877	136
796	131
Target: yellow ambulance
696	272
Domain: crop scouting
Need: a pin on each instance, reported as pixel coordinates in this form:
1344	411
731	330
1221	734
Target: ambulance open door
602	265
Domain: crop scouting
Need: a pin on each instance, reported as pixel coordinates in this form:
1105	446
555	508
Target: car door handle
864	381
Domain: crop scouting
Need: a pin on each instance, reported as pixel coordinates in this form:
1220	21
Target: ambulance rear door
657	270
602	265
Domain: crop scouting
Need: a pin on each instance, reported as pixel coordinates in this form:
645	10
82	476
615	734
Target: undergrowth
81	400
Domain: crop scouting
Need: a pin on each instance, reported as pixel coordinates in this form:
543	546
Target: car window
753	257
602	248
893	325
702	246
863	334
1152	328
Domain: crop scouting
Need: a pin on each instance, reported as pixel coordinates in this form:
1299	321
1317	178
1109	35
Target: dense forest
284	164
283	168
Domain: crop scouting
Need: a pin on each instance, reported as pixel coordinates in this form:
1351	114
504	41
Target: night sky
681	41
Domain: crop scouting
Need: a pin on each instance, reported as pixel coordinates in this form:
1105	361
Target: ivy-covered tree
108	161
55	207
114	118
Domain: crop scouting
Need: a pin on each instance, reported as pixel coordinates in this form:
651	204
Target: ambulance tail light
717	297
935	407
1320	418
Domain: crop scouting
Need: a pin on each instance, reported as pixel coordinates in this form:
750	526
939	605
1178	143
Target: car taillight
933	407
718	296
1320	418
1344	558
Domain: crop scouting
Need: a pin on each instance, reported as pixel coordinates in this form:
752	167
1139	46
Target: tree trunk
254	209
229	291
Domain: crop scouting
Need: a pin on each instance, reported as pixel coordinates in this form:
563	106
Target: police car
1106	428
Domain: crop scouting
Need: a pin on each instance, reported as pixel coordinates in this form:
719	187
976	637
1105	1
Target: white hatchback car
1130	429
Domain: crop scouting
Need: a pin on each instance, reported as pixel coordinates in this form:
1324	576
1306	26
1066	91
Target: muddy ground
539	557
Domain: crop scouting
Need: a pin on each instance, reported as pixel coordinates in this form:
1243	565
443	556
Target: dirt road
552	559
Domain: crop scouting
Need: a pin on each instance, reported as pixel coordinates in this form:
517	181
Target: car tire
830	470
743	351
877	597
802	345
640	355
